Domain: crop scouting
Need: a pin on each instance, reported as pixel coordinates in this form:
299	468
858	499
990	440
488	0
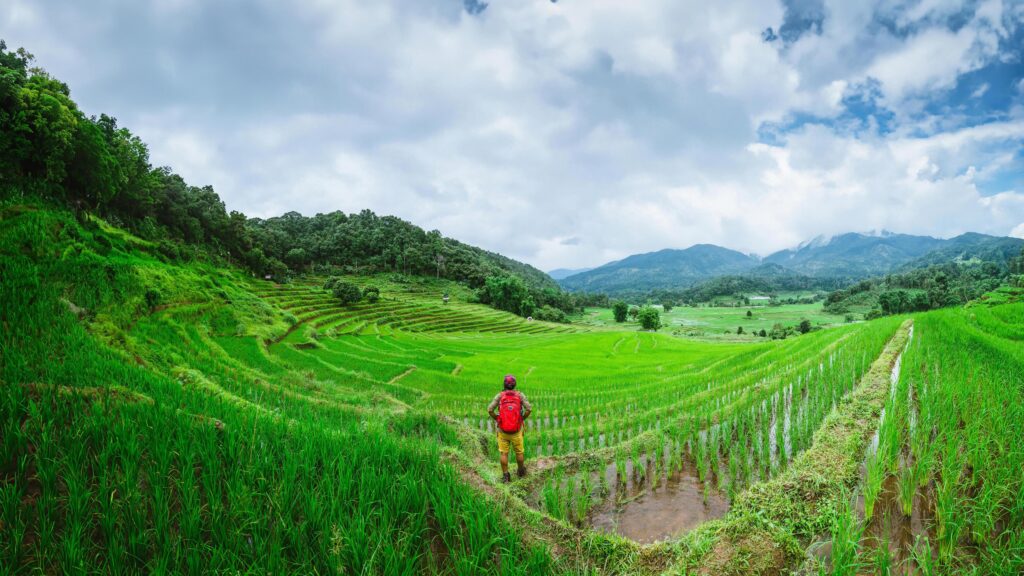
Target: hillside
52	150
665	268
970	248
761	279
953	283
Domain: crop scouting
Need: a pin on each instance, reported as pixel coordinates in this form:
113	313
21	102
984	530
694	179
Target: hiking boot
506	477
522	471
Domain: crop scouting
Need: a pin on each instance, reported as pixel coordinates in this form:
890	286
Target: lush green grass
183	417
721	322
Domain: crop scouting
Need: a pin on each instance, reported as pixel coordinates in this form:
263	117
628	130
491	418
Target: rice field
185	418
943	490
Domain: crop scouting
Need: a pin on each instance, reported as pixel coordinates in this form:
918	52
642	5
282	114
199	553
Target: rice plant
846	536
907	489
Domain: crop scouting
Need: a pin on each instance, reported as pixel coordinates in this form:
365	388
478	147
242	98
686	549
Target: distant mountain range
664	268
559	273
850	256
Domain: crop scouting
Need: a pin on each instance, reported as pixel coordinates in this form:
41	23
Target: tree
763	333
347	293
649	317
920	301
550	314
739	330
894	301
667	306
805	326
619	310
633	313
750	314
505	292
371	294
1016	264
778	332
526	307
295	258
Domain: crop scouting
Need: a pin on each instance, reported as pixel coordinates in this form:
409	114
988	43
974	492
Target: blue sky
569	133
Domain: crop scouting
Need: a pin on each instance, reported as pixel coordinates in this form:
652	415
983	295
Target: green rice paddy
181	417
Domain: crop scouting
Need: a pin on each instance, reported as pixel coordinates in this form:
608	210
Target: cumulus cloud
563	134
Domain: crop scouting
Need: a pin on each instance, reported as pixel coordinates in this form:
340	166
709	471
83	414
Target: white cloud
625	127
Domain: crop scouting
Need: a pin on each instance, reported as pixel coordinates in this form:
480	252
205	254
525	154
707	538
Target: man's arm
494	405
526	405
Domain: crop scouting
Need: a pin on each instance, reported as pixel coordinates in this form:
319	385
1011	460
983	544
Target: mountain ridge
845	257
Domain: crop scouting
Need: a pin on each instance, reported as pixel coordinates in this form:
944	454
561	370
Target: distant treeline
740	285
939	286
49	149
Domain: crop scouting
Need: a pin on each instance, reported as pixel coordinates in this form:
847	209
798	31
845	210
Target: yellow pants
515	440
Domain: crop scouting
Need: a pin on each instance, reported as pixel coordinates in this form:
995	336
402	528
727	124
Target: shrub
153	298
649	317
169	250
778	332
549	313
805	326
347	292
103	244
371	294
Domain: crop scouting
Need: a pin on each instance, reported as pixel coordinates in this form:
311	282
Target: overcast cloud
572	133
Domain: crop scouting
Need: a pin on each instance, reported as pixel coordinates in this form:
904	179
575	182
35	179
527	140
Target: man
513	409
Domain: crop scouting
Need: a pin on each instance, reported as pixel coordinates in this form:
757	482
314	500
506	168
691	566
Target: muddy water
660	511
889	527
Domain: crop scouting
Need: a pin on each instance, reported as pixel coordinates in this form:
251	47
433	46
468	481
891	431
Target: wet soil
671	507
646	508
889	527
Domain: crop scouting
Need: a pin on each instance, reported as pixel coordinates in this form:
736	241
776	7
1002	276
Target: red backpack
510	412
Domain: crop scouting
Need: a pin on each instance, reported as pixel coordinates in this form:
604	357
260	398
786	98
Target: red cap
510	381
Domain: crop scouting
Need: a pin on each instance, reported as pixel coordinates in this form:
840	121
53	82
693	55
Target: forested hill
366	242
52	151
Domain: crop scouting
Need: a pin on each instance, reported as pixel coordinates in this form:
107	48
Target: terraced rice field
245	426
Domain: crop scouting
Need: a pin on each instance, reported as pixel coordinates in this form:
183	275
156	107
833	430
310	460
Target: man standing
513	409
